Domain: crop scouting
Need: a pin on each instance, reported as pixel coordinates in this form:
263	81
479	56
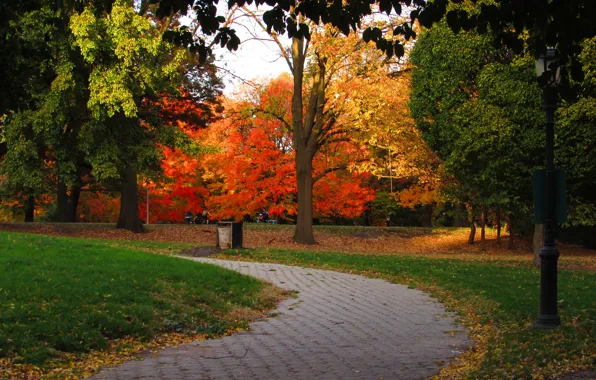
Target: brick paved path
341	326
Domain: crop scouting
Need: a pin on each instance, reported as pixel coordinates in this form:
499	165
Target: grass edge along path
498	305
69	306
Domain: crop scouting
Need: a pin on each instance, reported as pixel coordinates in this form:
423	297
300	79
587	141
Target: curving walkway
340	326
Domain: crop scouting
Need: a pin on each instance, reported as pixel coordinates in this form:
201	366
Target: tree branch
277	117
273	35
328	170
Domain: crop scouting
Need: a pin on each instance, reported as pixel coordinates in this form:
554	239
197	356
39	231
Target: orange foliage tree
181	187
257	168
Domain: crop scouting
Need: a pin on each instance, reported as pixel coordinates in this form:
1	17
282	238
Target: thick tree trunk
61	202
304	233
483	230
367	216
428	216
498	222
129	202
472	233
537	243
30	209
73	204
510	242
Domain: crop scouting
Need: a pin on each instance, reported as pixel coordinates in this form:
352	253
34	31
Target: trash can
229	235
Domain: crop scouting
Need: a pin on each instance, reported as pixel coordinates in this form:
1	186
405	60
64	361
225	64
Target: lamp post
547	68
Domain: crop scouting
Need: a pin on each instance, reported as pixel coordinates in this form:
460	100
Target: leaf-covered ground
69	305
438	243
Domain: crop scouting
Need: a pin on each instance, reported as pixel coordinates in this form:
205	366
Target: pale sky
255	58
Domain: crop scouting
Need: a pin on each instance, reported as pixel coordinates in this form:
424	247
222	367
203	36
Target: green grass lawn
499	304
67	295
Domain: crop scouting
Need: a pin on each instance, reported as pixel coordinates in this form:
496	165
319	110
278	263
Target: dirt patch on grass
199	251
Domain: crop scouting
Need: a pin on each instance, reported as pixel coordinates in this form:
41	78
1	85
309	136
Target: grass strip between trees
497	303
69	305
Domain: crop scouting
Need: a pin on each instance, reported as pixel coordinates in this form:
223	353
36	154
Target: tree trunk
428	216
498	221
61	202
73	204
30	209
510	242
304	233
483	230
305	138
537	243
129	202
472	226
367	216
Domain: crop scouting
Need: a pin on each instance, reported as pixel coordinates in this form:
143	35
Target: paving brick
341	326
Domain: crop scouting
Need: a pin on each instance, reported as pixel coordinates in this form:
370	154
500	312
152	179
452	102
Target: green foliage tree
479	108
40	129
97	72
575	137
131	65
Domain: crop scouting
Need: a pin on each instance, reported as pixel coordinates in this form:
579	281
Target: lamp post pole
549	254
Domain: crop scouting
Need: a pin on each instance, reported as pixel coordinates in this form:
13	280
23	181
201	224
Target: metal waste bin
229	235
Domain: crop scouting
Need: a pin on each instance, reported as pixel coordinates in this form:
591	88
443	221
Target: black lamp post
547	68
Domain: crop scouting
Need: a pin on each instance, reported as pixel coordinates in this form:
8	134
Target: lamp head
547	65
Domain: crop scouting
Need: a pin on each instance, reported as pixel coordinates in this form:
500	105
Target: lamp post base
547	322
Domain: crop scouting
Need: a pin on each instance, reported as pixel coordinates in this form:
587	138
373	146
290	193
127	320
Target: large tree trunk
129	202
306	127
61	202
428	216
367	216
537	243
498	222
30	209
73	204
304	233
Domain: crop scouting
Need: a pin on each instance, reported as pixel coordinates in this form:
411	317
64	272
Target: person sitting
188	217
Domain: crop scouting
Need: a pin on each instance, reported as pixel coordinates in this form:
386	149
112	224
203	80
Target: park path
340	326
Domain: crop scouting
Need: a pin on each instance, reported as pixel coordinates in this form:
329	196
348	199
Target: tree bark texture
304	232
129	202
306	129
30	209
537	243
